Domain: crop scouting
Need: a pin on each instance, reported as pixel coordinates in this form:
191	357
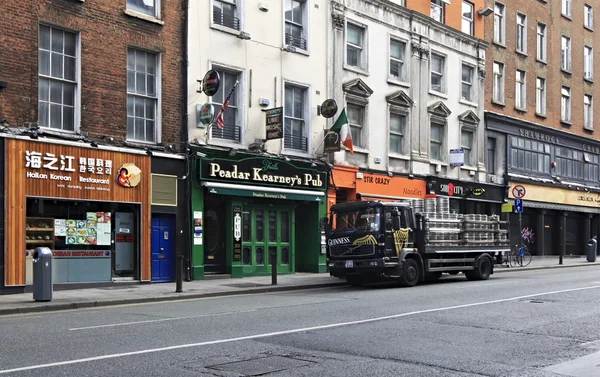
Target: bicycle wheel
514	259
526	259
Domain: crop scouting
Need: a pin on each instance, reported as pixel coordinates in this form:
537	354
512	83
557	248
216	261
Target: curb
517	269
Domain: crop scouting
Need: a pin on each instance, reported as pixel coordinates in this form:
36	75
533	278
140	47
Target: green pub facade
246	207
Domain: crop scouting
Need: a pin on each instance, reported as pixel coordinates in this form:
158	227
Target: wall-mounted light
485	11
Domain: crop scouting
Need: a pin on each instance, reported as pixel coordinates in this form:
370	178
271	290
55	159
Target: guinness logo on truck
338	241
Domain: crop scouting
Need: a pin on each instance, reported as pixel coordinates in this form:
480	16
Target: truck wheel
410	273
355	280
482	270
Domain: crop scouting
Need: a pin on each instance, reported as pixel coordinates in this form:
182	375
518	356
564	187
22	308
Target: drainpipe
184	138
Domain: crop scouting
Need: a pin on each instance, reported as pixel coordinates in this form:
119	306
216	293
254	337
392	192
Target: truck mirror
324	224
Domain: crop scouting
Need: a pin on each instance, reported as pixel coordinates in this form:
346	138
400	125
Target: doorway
163	250
214	236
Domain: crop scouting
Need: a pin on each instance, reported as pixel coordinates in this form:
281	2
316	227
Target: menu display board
94	230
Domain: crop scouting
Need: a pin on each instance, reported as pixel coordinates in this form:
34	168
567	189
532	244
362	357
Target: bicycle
520	256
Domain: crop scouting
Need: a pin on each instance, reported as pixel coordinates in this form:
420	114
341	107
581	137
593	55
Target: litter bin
592	248
42	274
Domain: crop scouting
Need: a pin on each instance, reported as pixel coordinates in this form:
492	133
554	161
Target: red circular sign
450	189
518	191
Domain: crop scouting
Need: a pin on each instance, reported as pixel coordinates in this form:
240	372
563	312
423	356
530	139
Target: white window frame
565	104
363	65
588	62
499	23
565	53
542	45
306	113
241	98
588	16
404	73
305	23
440	5
469	148
239	14
470	21
520	90
441	74
157	5
158	88
359	143
77	82
566	8
521	33
441	143
469	83
540	96
498	83
403	135
588	111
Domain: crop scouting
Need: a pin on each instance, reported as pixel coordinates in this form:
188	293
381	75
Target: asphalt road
535	323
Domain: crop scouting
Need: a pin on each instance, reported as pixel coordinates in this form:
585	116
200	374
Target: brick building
90	90
540	109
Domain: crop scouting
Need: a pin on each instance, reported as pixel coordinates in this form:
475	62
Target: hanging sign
329	108
206	114
274	123
237	233
332	142
211	83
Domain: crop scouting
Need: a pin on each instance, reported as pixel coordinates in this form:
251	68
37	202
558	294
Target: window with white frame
437	73
467	82
294	132
397	56
467	17
521	33
588	62
588	111
148	7
541	42
437	10
355	36
499	23
142	95
565	56
436	140
540	96
565	104
520	93
57	79
356	121
498	94
226	13
295	23
588	16
397	130
232	120
466	143
566	8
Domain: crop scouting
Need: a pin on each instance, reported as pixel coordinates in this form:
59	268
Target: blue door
163	251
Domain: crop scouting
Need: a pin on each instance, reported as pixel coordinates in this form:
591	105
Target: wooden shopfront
90	206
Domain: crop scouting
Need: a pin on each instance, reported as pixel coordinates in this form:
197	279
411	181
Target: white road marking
159	320
285	332
467	286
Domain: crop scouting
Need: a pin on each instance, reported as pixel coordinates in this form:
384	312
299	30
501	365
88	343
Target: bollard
179	274
274	267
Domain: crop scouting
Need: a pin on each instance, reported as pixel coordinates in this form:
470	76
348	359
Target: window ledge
298	50
394	81
359	150
438	94
499	103
588	129
540	115
225	29
566	71
522	53
499	44
398	156
589	80
541	61
468	168
521	109
356	69
468	103
139	143
565	123
223	143
438	162
588	28
295	152
142	16
568	17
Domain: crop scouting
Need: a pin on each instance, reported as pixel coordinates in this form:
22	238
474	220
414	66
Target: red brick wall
548	13
105	33
453	13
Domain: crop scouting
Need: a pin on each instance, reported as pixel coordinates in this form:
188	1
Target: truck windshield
366	219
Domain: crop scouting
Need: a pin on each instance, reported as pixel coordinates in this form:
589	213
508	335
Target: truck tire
482	271
355	280
410	273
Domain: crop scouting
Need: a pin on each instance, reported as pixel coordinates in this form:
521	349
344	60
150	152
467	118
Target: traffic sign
518	205
518	192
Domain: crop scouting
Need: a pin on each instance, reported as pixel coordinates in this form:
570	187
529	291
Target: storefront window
272	226
246	226
260	224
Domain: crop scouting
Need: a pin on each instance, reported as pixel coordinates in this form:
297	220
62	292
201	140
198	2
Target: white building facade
413	90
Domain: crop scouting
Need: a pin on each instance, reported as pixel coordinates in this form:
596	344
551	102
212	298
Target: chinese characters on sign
35	160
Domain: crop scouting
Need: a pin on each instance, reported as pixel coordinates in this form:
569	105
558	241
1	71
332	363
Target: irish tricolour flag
342	128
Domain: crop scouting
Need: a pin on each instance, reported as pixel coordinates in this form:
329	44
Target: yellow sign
558	195
507	207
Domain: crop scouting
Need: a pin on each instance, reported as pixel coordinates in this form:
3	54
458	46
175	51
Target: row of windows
540	96
437	12
59	85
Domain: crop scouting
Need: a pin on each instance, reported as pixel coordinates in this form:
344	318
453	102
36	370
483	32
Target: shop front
90	206
348	184
469	197
248	209
555	219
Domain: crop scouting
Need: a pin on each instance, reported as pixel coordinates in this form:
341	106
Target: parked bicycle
519	257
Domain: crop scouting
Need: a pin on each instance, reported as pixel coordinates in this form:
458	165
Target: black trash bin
592	249
42	274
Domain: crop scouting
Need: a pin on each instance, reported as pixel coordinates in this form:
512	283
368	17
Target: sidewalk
132	294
